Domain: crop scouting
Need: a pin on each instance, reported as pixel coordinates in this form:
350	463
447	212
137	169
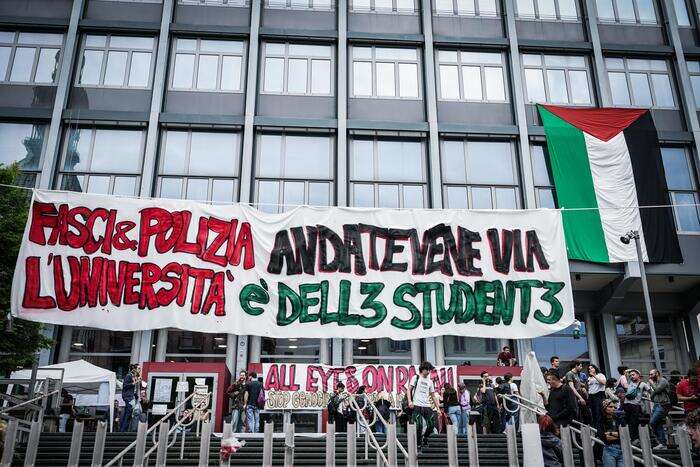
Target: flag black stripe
658	225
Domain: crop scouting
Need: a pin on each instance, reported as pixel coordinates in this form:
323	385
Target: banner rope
612	208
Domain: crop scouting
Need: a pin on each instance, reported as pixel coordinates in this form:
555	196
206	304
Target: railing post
587	446
412	441
140	448
452	459
330	445
32	444
75	444
532	445
567	446
626	445
162	449
473	446
267	445
684	446
511	438
204	443
352	446
289	445
391	444
99	447
645	444
9	447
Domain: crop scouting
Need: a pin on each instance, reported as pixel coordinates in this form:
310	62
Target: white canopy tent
90	384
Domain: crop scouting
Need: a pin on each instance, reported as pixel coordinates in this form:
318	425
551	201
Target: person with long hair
596	392
551	444
609	433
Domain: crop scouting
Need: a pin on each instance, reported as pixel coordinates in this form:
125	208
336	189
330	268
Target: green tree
21	340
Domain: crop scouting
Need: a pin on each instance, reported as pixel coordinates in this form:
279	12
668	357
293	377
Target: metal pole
391	444
204	443
587	445
645	443
452	460
267	445
32	444
352	446
330	445
75	444
512	440
473	446
99	447
412	441
9	447
140	448
289	445
647	301
626	445
684	446
567	446
162	449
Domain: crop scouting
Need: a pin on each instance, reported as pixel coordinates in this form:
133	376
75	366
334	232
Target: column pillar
161	345
65	343
601	83
591	338
347	352
255	344
135	346
145	348
612	347
694	332
415	352
324	356
231	346
439	350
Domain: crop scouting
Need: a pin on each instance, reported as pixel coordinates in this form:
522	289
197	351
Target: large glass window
383	6
472	76
479	175
300	4
30	57
293	170
562	344
388	173
627	11
564	10
289	350
385	72
116	61
214	2
475	350
682	187
107	349
105	161
207	65
640	82
381	351
682	15
486	8
297	69
636	349
557	79
23	143
694	70
544	188
199	165
189	346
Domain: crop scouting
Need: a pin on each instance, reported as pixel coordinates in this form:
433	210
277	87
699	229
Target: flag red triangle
602	122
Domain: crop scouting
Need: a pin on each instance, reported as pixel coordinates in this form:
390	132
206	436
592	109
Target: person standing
420	393
67	410
505	357
555	362
129	396
251	397
573	380
236	392
337	408
596	393
609	430
384	409
490	410
688	392
632	403
662	405
450	401
561	404
466	408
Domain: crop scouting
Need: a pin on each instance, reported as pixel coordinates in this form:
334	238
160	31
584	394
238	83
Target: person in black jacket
561	404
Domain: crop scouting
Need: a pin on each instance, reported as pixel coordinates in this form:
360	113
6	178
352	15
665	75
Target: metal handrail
375	414
375	444
30	401
180	422
167	415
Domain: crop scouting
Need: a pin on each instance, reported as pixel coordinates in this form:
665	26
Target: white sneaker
659	447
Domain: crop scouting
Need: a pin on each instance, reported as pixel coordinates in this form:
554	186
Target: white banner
302	386
131	264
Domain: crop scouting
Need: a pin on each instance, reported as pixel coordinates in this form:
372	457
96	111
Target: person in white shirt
596	393
420	392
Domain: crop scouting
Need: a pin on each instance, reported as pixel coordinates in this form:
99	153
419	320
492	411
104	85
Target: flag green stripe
585	239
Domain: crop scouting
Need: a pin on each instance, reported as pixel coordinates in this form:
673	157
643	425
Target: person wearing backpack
254	393
632	402
660	396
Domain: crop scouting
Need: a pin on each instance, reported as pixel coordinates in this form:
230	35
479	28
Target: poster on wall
302	386
128	264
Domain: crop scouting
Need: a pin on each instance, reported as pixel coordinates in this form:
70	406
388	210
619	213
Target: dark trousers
126	416
341	423
632	412
420	414
595	403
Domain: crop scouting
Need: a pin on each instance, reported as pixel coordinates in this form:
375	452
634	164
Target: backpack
261	399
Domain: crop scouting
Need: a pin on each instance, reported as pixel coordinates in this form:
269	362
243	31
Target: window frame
557	15
377	181
34	173
185	176
492	186
215	3
197	53
382	11
282	179
285	74
476	14
87	173
396	62
694	72
694	190
105	56
539	186
543	67
482	72
638	21
289	5
648	73
38	47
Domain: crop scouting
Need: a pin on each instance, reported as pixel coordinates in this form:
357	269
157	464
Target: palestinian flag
608	159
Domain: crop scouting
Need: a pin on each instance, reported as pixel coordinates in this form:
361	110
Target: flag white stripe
614	185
